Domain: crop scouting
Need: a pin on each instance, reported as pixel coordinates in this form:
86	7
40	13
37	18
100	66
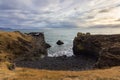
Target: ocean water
67	35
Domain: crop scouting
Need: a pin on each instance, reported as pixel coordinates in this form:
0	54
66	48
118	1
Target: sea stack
59	42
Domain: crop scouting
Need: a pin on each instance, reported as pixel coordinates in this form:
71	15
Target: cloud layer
59	13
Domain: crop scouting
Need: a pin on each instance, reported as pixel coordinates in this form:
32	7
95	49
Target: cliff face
104	48
15	45
39	43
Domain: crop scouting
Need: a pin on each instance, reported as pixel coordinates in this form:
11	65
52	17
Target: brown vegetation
35	74
15	44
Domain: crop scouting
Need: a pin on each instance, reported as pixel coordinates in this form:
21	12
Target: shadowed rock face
104	48
48	45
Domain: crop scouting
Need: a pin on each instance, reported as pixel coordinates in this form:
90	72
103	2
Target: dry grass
13	44
13	35
35	74
9	37
5	74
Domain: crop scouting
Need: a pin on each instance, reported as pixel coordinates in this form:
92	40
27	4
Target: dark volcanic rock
104	48
59	42
39	43
48	45
36	34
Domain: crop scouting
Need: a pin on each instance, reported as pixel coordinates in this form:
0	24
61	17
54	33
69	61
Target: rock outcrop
16	45
48	45
39	43
104	48
59	42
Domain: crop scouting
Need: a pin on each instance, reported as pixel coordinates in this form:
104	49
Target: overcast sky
59	13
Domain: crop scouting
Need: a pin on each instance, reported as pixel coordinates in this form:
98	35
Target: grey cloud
11	4
41	3
118	5
90	17
61	1
50	13
104	11
117	20
106	26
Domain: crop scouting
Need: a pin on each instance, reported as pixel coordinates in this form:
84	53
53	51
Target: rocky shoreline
90	51
60	63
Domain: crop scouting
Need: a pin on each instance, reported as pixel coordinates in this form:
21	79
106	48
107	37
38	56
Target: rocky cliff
16	45
104	48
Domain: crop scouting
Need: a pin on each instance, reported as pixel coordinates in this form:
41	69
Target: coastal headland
24	57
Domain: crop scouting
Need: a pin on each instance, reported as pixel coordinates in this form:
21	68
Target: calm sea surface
67	35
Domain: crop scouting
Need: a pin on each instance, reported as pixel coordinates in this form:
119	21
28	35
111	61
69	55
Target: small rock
48	45
11	66
59	42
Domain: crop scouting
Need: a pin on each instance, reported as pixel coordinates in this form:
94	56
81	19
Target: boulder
104	48
59	42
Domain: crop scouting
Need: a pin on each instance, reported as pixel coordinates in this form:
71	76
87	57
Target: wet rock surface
59	42
104	48
48	45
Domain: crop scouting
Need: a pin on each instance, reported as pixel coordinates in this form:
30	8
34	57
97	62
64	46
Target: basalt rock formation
104	48
59	42
48	45
39	43
16	45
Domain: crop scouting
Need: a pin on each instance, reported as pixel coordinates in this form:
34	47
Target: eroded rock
104	48
59	42
48	45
